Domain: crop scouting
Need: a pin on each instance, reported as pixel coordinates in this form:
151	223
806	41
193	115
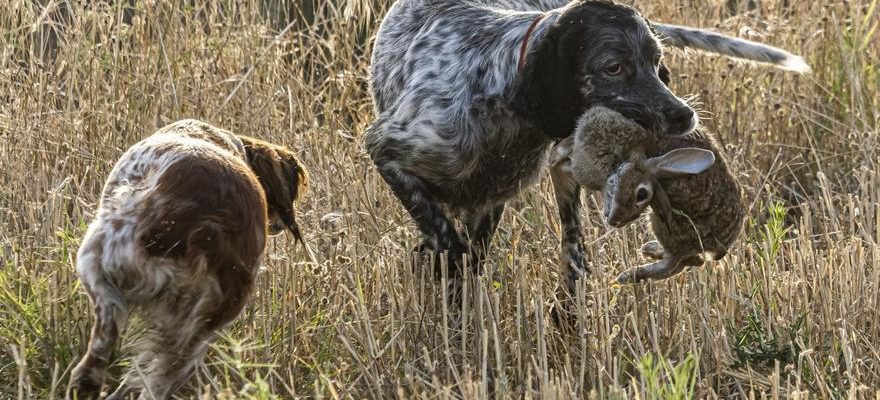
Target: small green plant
754	343
258	389
663	380
773	233
755	347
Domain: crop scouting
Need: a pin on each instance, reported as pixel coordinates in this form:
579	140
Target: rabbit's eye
642	195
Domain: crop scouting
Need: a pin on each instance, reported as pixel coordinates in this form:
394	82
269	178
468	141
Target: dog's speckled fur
460	130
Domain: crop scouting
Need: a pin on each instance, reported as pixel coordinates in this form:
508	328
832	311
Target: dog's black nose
680	119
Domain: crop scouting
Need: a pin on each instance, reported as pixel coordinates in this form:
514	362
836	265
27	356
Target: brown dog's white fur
179	235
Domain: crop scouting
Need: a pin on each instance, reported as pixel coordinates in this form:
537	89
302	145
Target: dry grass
793	310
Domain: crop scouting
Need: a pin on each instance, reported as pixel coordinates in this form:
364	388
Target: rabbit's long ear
561	153
684	161
662	206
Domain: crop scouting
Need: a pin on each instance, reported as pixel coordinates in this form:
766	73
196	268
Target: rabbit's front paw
652	249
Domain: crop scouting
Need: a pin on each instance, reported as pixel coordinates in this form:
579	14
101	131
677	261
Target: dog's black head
599	53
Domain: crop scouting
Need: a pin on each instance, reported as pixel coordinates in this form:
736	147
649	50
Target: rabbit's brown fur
702	214
602	140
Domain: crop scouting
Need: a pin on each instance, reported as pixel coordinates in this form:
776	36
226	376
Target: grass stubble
792	311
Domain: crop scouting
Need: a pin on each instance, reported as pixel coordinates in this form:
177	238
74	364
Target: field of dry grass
792	311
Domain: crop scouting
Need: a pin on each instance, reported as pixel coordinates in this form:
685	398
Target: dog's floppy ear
296	179
546	91
664	74
282	177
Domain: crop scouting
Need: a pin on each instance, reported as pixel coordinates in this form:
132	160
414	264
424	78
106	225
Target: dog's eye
613	69
641	195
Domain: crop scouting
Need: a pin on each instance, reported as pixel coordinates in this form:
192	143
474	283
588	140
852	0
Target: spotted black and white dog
470	95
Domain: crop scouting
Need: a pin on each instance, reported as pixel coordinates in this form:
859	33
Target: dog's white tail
712	42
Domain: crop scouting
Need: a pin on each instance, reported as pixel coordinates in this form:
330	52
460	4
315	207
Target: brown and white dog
179	235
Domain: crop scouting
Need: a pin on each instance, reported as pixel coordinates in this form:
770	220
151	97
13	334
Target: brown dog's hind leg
111	318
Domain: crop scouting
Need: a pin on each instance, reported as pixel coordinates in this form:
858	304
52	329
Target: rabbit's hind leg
664	268
653	270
